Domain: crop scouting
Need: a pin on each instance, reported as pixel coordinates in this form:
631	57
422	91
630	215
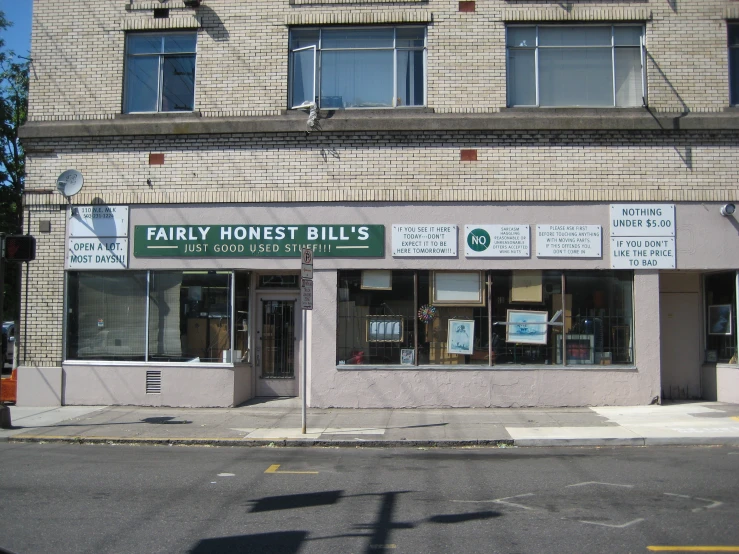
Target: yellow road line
693	548
273	469
735	417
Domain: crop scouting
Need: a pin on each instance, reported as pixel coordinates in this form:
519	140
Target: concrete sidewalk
278	423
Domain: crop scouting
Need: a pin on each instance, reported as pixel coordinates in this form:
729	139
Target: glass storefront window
105	316
596	320
720	294
190	316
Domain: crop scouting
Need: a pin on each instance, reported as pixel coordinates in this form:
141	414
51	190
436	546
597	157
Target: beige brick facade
242	50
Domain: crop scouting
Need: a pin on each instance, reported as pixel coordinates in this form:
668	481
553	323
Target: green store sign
263	241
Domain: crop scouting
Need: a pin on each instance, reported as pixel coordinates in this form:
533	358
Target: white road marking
622	526
500	501
711	503
600	483
226	475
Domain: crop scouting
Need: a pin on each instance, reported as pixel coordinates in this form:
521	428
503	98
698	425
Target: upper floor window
576	65
160	72
734	63
369	67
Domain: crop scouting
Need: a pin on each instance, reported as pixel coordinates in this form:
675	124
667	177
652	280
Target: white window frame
317	64
613	47
160	70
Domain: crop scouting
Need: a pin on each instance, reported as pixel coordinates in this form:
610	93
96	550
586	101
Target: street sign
306	294
306	263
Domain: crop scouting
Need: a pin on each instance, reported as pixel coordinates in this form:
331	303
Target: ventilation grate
153	382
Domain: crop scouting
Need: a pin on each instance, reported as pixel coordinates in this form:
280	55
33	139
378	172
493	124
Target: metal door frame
277	386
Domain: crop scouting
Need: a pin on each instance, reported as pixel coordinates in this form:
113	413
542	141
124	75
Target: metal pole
564	322
490	319
304	372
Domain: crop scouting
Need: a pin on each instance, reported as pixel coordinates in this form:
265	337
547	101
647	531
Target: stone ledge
345	121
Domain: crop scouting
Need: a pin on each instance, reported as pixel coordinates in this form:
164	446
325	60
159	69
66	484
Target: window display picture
719	319
460	335
527	327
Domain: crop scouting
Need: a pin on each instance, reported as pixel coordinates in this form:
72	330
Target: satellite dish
69	183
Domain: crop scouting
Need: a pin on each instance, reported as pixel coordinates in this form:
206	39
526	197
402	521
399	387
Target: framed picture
460	336
719	319
457	288
384	328
377	279
580	350
526	327
526	287
407	356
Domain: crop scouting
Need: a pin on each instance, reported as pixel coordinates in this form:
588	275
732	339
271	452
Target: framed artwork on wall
460	336
719	319
526	287
407	356
457	288
526	327
377	279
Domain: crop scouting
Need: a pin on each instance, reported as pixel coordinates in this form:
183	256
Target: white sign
306	265
568	241
424	240
643	236
99	221
642	220
306	294
97	253
642	253
497	241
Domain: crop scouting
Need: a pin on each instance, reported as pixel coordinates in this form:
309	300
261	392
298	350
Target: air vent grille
153	382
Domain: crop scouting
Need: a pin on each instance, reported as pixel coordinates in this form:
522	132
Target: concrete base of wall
39	386
727	383
185	386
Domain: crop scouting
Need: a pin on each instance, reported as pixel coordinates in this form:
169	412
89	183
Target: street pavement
278	422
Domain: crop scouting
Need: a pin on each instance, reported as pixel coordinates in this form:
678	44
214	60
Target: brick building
510	202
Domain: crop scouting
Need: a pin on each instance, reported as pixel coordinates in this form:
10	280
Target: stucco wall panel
189	387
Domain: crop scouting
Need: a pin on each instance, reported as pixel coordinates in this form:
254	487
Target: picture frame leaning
719	319
460	336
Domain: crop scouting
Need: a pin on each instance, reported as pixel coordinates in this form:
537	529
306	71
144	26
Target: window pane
410	78
178	83
575	77
521	78
359	79
734	75
733	35
174	44
144	44
409	37
628	77
602	317
303	77
142	83
189	317
303	38
357	38
521	36
374	325
627	36
574	36
106	317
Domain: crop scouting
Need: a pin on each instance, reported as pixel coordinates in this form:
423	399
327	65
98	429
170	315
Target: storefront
417	305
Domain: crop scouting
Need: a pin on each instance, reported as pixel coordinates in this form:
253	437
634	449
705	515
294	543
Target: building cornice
343	121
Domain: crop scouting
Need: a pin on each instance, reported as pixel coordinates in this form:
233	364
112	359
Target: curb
302	443
322	443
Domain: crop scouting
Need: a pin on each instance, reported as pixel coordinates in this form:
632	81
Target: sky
17	37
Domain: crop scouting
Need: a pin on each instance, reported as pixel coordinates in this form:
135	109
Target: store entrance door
277	344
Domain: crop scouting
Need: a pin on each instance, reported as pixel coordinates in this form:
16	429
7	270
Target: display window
720	317
157	316
487	318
